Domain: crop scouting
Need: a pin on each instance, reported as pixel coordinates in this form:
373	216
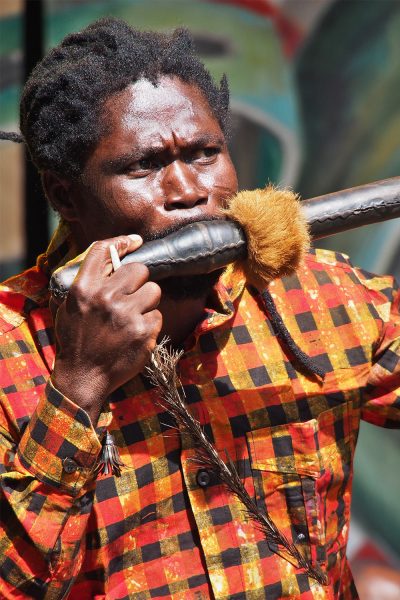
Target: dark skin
162	161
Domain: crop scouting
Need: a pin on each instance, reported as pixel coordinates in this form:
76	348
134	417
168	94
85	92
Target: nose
181	188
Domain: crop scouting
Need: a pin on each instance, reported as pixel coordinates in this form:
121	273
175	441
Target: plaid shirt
162	529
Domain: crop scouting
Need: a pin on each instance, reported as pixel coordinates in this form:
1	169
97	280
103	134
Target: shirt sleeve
381	405
47	488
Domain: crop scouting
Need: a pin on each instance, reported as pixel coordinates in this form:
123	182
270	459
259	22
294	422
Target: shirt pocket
293	468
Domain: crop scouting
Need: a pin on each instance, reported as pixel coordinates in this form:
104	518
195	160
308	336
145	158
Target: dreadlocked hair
60	111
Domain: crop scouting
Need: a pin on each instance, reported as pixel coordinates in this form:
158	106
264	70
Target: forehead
151	112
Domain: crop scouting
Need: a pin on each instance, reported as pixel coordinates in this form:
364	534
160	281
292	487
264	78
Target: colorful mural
348	85
315	91
315	96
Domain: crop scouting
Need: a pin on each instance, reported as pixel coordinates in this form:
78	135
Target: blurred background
315	90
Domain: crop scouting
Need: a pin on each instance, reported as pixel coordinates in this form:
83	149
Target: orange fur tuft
276	231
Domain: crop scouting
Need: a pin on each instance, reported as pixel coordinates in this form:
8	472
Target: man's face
162	163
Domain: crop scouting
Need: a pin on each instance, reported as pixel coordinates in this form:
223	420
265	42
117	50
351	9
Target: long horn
354	207
209	245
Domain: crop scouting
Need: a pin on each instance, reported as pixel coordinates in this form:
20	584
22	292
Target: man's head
62	101
127	129
161	163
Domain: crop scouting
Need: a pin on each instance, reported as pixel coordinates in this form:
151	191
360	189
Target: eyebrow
115	164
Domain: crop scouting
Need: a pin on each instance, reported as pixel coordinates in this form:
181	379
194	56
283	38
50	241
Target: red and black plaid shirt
161	530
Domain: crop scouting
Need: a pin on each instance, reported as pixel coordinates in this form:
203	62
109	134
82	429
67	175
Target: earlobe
59	193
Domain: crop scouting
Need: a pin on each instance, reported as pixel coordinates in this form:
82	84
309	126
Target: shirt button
203	478
69	465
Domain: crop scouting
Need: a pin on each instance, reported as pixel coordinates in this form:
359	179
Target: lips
178	224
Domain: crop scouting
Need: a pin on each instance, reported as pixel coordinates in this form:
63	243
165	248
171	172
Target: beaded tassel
109	460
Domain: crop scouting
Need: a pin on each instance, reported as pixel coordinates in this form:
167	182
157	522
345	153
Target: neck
180	318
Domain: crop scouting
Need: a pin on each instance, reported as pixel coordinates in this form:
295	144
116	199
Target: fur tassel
276	231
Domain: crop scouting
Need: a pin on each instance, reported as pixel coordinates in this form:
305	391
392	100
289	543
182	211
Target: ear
59	192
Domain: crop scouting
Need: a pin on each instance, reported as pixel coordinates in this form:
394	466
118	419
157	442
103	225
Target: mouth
161	233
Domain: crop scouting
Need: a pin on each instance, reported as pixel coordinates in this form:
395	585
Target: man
127	130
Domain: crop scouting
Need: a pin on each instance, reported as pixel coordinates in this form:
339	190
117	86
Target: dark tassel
309	365
109	460
162	373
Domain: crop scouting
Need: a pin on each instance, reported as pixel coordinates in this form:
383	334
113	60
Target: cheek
129	200
222	179
231	176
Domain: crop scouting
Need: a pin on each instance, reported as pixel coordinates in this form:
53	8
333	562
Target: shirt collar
229	287
62	248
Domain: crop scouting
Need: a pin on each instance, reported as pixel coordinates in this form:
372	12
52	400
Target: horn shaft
354	207
204	247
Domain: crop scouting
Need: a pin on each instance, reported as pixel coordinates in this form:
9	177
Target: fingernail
134	237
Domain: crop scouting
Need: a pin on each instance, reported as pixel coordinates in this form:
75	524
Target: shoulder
328	268
336	263
19	295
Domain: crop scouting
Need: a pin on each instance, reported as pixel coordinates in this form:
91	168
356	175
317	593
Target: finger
129	278
118	248
146	298
154	320
97	262
118	252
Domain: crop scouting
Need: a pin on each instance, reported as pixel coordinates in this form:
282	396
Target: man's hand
106	328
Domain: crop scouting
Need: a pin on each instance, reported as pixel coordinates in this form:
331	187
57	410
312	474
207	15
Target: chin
190	287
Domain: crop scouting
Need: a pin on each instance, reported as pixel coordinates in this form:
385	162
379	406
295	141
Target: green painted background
325	119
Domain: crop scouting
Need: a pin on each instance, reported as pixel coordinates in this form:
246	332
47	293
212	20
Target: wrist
85	391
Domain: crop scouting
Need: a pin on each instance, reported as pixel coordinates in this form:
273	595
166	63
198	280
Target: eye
204	155
142	167
145	163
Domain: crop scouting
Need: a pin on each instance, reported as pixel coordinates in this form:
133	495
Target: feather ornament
162	374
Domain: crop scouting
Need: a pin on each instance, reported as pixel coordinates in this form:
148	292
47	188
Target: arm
44	509
381	404
105	332
106	328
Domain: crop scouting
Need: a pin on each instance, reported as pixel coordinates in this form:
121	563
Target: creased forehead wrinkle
143	102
